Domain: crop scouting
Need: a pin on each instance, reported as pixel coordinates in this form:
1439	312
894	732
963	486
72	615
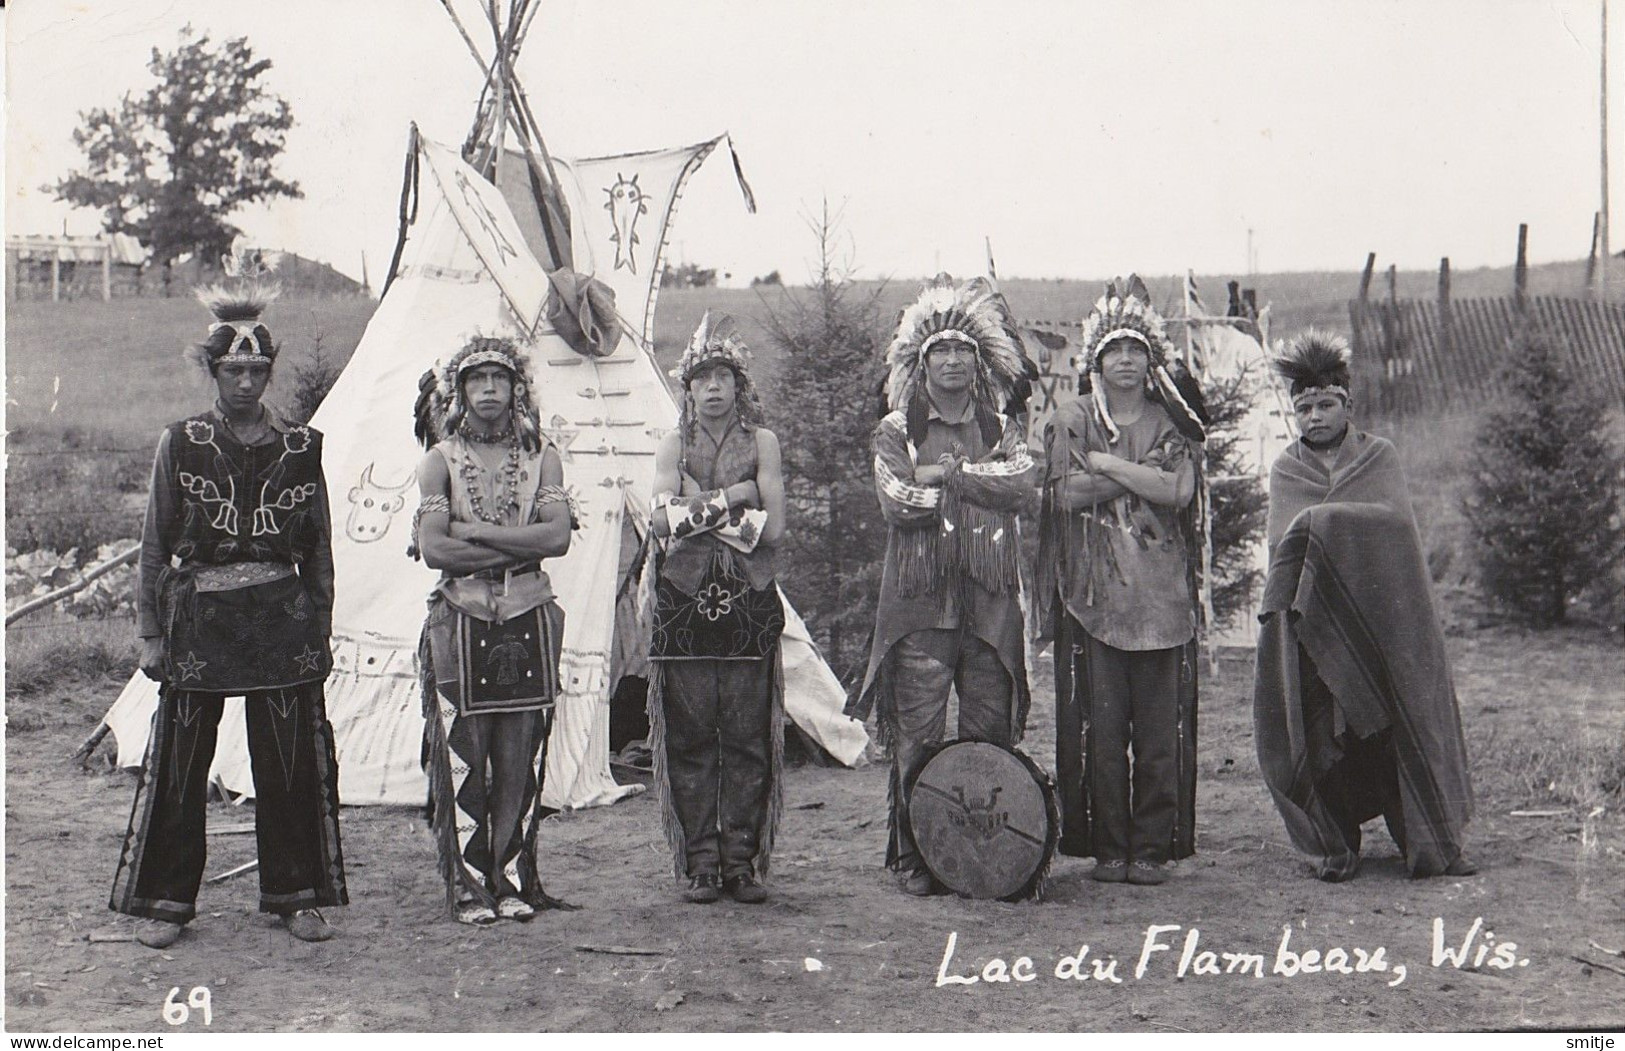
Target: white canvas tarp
1226	355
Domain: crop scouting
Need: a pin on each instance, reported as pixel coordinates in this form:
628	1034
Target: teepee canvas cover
465	268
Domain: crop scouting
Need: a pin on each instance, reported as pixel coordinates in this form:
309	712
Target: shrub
1543	504
312	378
830	340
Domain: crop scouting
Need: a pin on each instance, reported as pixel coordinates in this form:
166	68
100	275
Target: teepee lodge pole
499	126
1602	222
77	585
513	110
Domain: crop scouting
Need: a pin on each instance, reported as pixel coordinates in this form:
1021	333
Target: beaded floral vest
717	466
245	503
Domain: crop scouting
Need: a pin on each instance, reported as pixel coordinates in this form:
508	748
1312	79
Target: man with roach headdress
236	599
952	473
1354	708
1118	592
493	506
716	692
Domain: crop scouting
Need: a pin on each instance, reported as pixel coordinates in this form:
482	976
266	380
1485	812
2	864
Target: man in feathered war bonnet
716	694
493	505
1354	709
236	599
1118	589
952	473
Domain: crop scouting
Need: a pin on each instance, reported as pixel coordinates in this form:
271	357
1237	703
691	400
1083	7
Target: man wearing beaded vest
716	695
1118	587
952	472
236	599
493	506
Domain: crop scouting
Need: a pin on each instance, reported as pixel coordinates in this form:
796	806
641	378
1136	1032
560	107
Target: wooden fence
1418	355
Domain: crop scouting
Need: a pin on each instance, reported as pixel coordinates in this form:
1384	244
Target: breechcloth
914	704
485	772
1136	703
719	758
296	804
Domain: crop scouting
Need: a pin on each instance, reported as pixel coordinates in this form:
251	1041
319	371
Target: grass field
89	384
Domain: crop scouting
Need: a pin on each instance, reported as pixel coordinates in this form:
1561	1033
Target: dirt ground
839	947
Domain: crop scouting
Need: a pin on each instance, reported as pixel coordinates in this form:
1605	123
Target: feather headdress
237	334
718	343
441	410
1127	313
973	313
1315	362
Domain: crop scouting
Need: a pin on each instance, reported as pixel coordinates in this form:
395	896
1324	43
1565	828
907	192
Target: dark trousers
1136	705
1357	780
719	758
296	805
920	668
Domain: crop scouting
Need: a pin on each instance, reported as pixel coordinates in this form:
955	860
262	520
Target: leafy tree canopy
171	166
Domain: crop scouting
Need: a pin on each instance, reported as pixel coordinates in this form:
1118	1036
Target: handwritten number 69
176	1012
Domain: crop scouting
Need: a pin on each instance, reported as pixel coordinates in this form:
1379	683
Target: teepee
485	235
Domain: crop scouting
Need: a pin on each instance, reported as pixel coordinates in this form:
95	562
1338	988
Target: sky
1080	138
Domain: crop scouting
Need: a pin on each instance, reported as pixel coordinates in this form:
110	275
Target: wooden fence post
107	271
1520	272
1591	257
1446	336
1365	276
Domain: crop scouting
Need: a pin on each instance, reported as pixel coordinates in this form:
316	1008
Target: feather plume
249	264
425	410
1315	358
235	304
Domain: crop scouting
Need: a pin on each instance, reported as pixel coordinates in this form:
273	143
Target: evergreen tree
830	338
171	166
1240	504
1544	503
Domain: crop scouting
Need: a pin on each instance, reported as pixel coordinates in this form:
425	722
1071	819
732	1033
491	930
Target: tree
688	275
170	167
830	338
1544	498
1239	504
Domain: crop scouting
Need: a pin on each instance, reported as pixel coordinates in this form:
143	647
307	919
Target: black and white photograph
584	516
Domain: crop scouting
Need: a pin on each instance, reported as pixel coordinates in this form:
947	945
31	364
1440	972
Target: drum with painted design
985	820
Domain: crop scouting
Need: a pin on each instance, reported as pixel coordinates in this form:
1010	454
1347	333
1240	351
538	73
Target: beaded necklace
486	437
507	486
